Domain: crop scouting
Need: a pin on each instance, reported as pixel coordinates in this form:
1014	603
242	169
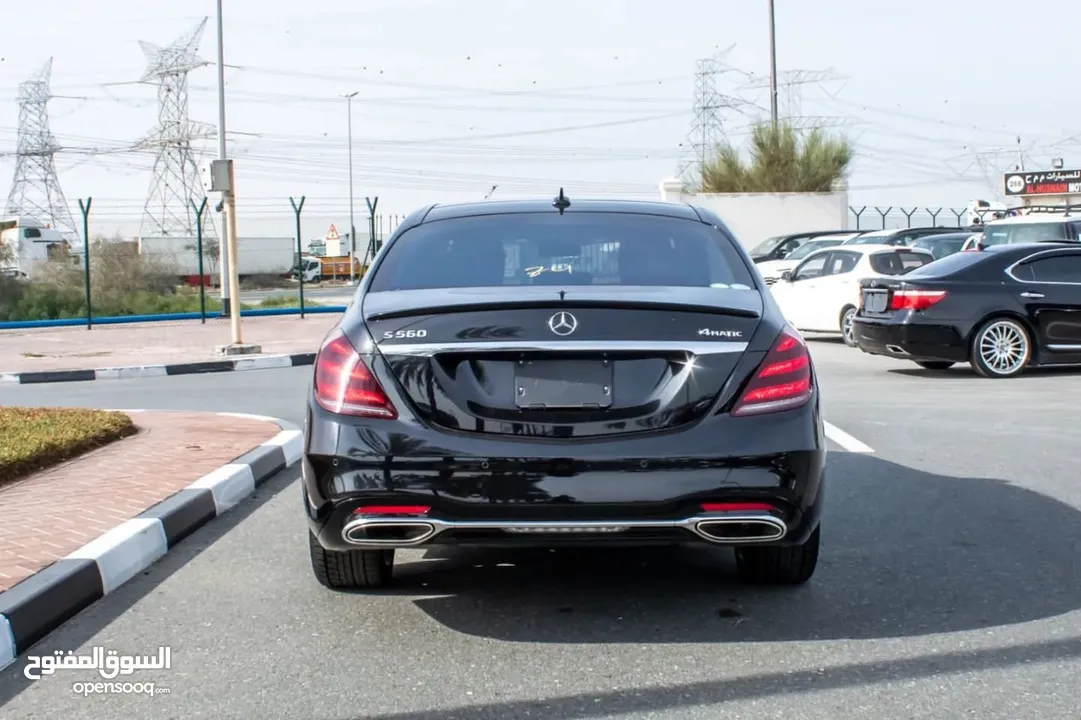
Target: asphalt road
340	295
949	587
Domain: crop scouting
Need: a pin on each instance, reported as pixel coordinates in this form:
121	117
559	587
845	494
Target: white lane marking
845	440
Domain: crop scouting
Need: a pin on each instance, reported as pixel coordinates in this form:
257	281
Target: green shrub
122	283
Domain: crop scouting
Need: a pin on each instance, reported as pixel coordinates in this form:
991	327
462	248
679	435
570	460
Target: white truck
177	257
27	243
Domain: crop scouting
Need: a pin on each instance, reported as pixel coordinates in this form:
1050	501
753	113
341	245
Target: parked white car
822	293
771	269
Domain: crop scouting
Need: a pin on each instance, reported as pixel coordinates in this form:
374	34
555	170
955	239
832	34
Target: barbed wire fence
878	217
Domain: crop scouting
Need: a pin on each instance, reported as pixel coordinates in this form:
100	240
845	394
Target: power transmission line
707	128
175	182
35	189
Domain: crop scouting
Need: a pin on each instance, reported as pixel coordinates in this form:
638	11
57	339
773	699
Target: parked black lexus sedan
528	373
1002	309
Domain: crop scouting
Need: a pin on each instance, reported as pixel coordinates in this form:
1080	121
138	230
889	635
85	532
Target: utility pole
224	180
227	203
772	67
352	224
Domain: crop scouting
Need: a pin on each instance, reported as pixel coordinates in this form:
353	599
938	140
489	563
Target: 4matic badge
720	333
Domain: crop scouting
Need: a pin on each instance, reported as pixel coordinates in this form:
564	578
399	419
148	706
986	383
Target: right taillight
782	381
915	299
344	384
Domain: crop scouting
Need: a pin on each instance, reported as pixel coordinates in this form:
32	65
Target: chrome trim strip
1067	348
1066	251
691	525
694	347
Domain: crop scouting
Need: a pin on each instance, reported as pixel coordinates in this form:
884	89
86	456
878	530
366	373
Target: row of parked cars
1002	297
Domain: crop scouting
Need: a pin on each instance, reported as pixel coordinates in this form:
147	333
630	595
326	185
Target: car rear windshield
561	250
898	263
949	264
1021	233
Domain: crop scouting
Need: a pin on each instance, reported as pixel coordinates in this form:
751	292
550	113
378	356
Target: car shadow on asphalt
905	553
687	697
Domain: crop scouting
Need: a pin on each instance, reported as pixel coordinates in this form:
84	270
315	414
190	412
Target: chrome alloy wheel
1003	347
847	328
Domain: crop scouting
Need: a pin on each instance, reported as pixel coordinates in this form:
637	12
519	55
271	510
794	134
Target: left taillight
915	299
344	384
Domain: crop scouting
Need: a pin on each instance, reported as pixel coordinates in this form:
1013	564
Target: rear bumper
905	340
484	490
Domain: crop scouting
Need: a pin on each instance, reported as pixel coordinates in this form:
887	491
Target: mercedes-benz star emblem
562	323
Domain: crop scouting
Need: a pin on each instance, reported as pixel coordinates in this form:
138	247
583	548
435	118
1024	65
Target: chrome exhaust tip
896	349
742	530
378	532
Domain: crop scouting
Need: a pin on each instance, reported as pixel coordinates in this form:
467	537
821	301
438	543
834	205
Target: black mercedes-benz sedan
539	373
1002	309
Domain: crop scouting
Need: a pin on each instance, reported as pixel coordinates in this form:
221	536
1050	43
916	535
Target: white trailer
177	256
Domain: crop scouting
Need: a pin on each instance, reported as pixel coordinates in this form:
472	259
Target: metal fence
882	217
122	280
171	278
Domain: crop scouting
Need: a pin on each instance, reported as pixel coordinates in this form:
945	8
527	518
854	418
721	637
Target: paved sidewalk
51	514
164	343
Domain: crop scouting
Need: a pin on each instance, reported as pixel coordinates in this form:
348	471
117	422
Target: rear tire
935	364
351	569
848	332
781	565
1001	348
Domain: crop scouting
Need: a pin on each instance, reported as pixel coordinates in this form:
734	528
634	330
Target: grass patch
286	301
33	439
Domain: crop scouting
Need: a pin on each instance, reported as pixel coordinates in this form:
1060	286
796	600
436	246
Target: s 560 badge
400	334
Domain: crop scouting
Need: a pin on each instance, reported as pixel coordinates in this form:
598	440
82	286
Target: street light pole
230	282
772	67
223	254
352	224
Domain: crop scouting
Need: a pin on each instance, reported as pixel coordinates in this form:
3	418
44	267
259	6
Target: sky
455	97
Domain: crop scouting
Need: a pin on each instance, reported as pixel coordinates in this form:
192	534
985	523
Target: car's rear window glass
561	250
898	263
949	264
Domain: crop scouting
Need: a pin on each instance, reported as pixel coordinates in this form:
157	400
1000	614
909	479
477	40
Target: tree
7	254
782	159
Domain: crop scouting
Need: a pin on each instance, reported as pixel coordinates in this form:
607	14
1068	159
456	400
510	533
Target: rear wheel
935	364
1001	348
351	569
781	565
848	330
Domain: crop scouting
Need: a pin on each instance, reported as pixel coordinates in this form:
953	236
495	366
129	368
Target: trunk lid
601	360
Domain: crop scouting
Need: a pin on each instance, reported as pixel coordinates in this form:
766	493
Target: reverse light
783	380
915	299
345	385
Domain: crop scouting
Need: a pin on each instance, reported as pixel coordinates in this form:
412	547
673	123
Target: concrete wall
753	217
